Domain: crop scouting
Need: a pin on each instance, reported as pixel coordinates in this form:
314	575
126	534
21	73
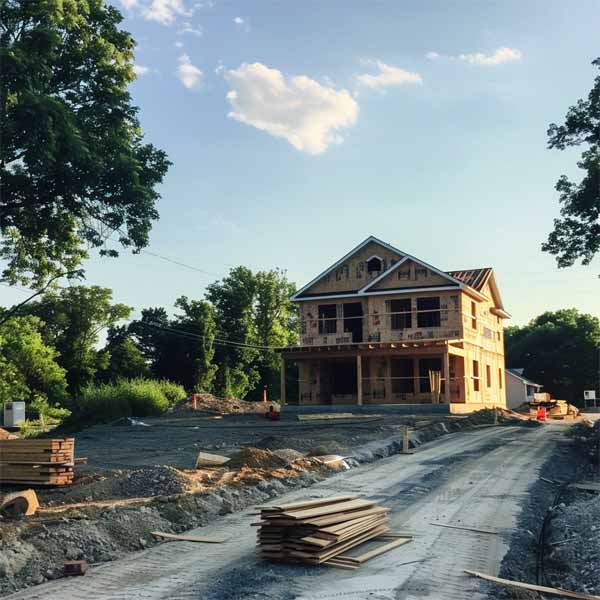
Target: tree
72	321
123	358
577	234
28	367
73	163
233	299
276	322
559	350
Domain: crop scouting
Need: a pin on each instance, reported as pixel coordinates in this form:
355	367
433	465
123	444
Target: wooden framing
443	317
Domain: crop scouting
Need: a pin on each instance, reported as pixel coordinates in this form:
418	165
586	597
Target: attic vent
374	264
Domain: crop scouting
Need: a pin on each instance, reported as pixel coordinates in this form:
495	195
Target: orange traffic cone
541	413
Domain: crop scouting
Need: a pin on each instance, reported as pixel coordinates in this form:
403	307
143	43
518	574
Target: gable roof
451	280
515	373
342	260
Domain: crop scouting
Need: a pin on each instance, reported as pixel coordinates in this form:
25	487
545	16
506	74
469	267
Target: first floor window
488	375
402	376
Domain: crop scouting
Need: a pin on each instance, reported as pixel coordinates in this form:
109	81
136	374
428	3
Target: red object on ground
541	413
272	414
75	567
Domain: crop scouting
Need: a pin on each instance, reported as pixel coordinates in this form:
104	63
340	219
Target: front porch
367	375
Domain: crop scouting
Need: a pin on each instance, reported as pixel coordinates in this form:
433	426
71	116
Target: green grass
129	398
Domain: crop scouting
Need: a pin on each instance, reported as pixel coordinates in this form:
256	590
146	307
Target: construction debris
210	460
6	435
226	406
187	538
321	531
75	567
17	504
490	531
37	462
533	587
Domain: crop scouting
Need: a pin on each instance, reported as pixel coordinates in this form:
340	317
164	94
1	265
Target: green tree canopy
73	163
559	350
576	234
121	358
28	366
72	321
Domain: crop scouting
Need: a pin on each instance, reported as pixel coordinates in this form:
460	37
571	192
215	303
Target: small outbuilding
519	389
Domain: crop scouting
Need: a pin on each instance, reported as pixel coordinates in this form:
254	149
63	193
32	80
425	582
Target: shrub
174	392
128	398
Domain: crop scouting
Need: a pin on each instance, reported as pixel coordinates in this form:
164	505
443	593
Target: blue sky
297	129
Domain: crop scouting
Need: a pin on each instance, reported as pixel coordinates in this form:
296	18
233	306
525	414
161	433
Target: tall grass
129	398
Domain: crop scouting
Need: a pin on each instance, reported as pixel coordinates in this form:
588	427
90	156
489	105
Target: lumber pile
37	462
323	531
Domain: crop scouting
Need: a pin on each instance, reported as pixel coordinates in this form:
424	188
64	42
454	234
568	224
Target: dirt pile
256	458
227	406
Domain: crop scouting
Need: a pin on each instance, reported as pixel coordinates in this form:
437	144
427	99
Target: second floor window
428	312
327	319
401	316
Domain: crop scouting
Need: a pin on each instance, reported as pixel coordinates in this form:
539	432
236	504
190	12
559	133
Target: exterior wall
352	275
377	320
516	391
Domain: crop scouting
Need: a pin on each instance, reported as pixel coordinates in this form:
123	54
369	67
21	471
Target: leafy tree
194	355
559	350
73	163
28	366
72	321
276	321
577	234
233	299
124	360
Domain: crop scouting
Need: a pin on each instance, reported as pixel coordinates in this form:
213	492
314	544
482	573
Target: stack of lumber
322	531
37	462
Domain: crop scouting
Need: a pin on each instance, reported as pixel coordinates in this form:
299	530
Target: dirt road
476	479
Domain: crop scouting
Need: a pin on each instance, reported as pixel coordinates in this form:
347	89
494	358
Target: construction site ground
139	478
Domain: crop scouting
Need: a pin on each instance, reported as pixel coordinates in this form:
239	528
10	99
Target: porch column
282	382
446	361
416	379
388	379
359	395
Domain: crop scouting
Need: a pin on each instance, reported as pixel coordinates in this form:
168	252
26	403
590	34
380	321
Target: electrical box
14	414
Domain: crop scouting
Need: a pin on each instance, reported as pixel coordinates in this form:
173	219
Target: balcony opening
401	315
327	319
353	321
428	312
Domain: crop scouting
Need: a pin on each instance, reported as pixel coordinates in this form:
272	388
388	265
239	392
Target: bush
174	392
128	398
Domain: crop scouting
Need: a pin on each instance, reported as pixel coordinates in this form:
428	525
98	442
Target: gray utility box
14	414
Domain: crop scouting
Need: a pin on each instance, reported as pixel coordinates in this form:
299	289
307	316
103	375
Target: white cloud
191	29
387	76
189	75
501	55
298	109
166	11
129	4
242	23
140	70
178	44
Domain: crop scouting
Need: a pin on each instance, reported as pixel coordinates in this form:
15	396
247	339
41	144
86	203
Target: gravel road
476	479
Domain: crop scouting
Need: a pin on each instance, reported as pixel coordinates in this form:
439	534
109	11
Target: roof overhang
500	312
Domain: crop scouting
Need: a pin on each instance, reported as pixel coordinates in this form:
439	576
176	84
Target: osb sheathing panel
352	275
410	275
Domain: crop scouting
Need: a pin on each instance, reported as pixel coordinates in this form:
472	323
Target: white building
519	389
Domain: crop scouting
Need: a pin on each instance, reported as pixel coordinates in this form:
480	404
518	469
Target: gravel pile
160	480
256	458
574	545
228	406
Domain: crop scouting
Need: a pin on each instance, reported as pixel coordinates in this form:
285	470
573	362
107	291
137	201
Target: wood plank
308	503
328	509
377	551
187	538
533	587
490	531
